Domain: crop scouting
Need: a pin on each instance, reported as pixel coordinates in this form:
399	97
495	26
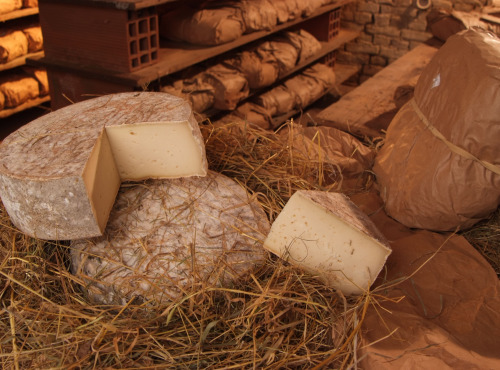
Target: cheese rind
57	173
165	235
328	236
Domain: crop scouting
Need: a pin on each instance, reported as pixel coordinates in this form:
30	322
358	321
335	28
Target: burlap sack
7	6
35	38
257	71
443	23
283	52
305	43
440	166
40	75
13	45
277	101
229	84
18	89
255	114
443	308
257	14
202	27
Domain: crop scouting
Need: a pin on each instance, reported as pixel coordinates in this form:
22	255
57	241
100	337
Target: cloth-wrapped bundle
212	26
200	94
7	6
18	89
440	166
40	75
443	23
311	84
13	45
257	71
257	14
305	43
30	3
278	100
255	114
35	38
283	52
229	84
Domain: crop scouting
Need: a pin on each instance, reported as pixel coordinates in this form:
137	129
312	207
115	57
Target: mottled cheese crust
328	236
59	174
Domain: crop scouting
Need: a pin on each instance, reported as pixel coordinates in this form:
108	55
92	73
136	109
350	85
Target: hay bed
278	318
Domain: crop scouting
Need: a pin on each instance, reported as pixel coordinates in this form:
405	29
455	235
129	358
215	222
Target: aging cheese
59	175
328	236
163	236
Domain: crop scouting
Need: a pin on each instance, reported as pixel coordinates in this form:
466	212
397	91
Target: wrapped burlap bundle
257	71
18	89
257	14
277	101
255	114
13	45
323	73
305	43
40	75
229	84
443	23
200	94
7	6
204	26
311	84
440	166
34	37
283	52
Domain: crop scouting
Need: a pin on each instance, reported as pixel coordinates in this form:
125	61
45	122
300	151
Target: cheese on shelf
163	236
59	175
328	236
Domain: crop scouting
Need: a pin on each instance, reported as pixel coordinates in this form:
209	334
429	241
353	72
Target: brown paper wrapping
229	84
257	14
41	76
283	52
305	43
431	182
255	114
7	6
257	71
18	89
34	37
311	84
277	101
13	45
443	23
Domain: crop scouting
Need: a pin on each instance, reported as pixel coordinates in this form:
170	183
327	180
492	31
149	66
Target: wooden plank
20	61
369	108
29	104
18	14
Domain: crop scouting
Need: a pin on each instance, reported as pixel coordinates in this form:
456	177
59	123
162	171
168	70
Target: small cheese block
328	236
165	235
59	175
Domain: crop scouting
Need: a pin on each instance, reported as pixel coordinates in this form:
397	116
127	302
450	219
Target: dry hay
277	318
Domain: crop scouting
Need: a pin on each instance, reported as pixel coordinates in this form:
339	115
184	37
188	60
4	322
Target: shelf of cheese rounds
253	71
22	89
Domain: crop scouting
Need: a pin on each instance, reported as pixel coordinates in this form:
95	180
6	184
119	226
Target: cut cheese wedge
59	175
163	236
328	236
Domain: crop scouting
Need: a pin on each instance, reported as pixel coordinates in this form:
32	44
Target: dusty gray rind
154	230
42	163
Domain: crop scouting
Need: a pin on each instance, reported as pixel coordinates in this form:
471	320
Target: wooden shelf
18	14
29	104
20	61
174	57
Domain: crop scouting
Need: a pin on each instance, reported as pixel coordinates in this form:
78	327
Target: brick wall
390	28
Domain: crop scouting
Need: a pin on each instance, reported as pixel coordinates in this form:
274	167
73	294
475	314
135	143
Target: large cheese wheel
328	236
163	236
59	175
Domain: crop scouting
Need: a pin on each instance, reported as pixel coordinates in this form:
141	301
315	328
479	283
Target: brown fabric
277	101
305	43
13	45
424	183
203	27
257	71
18	89
229	84
255	114
7	6
443	23
35	38
446	315
284	53
257	14
41	76
343	158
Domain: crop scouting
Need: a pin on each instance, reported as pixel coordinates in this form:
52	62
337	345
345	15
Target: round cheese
59	175
163	236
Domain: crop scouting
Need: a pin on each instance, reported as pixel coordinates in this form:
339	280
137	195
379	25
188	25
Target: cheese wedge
328	236
59	175
163	236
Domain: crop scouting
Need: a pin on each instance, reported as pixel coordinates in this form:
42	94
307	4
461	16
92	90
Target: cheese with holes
165	237
328	236
59	175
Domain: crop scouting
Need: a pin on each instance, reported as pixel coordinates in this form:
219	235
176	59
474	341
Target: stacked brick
390	28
